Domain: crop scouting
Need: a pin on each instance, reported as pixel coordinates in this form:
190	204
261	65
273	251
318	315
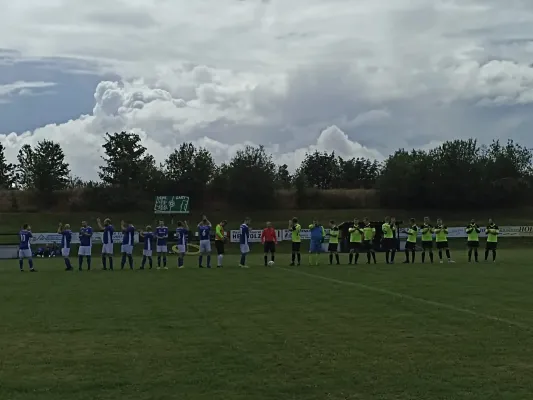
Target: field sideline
451	331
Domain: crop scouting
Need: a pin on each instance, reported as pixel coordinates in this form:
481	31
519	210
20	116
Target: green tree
251	179
321	170
127	162
357	173
188	170
7	171
283	177
43	168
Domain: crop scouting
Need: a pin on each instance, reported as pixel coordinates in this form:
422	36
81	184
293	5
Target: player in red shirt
269	240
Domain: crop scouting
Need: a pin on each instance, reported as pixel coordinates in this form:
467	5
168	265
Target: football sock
208	261
476	255
89	258
331	258
493	255
123	261
272	257
350	258
110	262
200	260
150	262
387	256
448	254
486	255
423	256
21	263
80	262
392	255
165	261
30	263
130	261
293	257
368	257
104	261
356	257
219	260
431	256
67	263
406	255
265	259
337	258
440	255
299	257
374	257
469	254
143	262
413	253
159	261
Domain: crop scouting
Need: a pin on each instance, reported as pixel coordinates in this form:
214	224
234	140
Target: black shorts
410	245
427	244
355	246
442	245
296	247
219	245
473	244
333	247
269	247
491	245
388	243
368	245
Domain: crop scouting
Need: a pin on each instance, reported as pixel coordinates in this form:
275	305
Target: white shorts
182	248
162	249
147	253
107	248
26	253
245	248
65	252
84	251
126	248
205	246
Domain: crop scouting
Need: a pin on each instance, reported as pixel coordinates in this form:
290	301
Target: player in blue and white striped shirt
86	244
128	230
66	239
181	238
25	248
107	243
148	236
245	242
161	235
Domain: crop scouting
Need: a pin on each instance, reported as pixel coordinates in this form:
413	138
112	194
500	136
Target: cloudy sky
361	78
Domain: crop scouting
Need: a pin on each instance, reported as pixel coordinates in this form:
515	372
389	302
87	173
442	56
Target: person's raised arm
60	228
99	222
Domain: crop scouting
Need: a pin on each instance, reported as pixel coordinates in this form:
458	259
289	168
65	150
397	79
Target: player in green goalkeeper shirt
492	240
427	240
441	236
389	243
472	232
333	246
356	240
410	244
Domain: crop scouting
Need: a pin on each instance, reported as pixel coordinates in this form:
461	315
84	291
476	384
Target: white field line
412	298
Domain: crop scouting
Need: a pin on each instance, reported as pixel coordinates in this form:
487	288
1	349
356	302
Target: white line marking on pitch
412	298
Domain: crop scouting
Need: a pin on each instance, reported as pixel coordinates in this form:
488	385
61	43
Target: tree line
456	174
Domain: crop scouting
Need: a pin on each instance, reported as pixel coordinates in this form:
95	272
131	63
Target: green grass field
451	331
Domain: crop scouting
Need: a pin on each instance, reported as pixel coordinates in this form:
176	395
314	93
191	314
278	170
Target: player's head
204	219
439	221
180	224
161	222
107	222
26	226
148	228
426	220
412	221
356	221
331	223
294	220
315	222
67	226
84	224
223	223
491	221
269	224
128	222
365	220
247	220
387	219
472	221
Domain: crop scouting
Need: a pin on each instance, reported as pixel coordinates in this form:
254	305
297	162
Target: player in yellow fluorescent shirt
368	240
389	243
356	240
441	236
220	238
333	246
472	232
492	240
427	240
410	244
295	229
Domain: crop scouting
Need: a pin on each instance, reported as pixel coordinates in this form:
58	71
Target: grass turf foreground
458	331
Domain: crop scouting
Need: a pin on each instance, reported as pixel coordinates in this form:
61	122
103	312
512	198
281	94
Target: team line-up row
361	238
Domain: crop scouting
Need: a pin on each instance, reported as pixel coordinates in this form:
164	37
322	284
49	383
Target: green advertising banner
171	205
